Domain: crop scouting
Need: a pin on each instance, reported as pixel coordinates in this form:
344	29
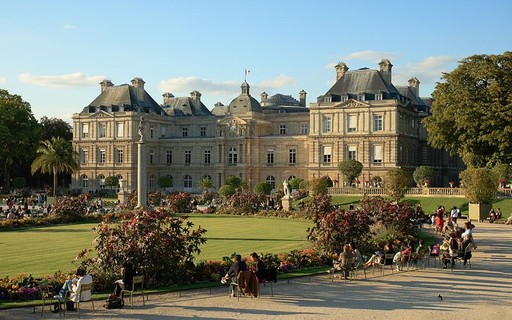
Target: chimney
138	83
341	69
105	84
264	97
167	96
414	84
385	69
302	95
196	95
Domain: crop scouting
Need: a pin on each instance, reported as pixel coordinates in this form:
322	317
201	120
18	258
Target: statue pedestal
122	196
286	201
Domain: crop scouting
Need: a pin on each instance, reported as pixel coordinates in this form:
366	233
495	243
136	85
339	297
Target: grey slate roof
367	81
124	98
280	100
185	106
244	102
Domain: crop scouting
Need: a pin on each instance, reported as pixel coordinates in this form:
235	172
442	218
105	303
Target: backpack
114	302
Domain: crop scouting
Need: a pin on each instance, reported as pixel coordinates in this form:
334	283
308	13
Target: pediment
351	103
101	114
233	120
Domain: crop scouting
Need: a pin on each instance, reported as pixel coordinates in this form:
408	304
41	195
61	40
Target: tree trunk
54	183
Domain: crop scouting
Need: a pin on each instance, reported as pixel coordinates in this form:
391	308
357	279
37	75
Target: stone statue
286	188
141	129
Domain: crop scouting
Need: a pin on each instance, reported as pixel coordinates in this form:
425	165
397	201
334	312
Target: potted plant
452	184
480	187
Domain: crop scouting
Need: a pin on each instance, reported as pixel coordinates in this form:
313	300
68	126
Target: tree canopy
350	169
472	110
480	184
422	173
19	135
396	183
54	127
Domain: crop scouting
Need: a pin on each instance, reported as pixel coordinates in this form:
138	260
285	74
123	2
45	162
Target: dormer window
360	97
328	99
344	98
378	96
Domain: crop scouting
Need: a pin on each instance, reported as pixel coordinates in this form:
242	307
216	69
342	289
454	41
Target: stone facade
363	116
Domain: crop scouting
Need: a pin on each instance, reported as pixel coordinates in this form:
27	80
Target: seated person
127	281
237	266
450	250
466	253
376	258
346	258
260	268
72	286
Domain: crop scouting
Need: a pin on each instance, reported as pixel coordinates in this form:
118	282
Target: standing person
454	213
260	268
127	280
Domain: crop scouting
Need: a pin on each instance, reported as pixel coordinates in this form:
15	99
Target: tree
350	169
112	181
502	172
295	183
262	188
164	182
318	186
471	110
54	157
54	127
396	183
19	135
479	184
205	184
422	174
235	182
19	182
227	191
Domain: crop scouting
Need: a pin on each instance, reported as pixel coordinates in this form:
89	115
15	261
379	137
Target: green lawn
44	250
429	204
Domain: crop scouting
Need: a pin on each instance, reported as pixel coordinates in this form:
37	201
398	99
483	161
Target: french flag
247	71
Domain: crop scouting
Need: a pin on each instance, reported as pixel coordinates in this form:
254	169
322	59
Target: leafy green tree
112	181
205	184
227	191
54	127
295	183
503	172
165	182
54	157
479	184
262	188
472	108
396	183
350	169
235	182
19	182
318	186
20	134
422	174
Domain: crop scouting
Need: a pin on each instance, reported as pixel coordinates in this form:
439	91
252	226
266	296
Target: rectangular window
102	156
203	131
360	97
102	129
119	155
378	96
162	131
184	132
207	156
327	154
304	128
85	156
119	129
270	156
151	156
292	153
151	132
188	157
352	153
85	130
328	99
377	122
327	124
344	98
351	123
168	159
282	129
377	153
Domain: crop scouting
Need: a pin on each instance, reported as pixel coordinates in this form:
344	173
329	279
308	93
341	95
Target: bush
242	203
179	202
262	188
227	191
480	184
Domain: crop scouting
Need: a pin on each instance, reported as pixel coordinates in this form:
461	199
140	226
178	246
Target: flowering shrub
70	206
179	202
242	203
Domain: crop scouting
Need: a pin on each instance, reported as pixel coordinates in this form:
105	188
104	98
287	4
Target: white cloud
183	85
66	80
428	70
367	57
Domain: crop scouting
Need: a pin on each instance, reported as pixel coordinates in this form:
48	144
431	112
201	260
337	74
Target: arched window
232	156
101	180
291	177
85	181
187	181
152	181
172	180
207	177
271	181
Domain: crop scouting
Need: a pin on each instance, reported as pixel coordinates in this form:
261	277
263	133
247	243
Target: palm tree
54	157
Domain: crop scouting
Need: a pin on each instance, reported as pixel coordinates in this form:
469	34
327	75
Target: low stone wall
416	192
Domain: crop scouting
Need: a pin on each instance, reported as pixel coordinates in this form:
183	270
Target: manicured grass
43	250
429	204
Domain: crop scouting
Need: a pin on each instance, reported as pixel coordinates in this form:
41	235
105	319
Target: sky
55	53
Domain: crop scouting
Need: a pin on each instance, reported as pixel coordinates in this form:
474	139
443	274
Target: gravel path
482	292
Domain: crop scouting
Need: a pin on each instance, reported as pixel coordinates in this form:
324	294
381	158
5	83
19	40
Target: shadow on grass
253	239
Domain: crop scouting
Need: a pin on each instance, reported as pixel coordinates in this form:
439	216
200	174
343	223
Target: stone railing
417	192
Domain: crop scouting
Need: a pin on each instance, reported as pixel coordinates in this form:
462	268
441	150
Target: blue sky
54	53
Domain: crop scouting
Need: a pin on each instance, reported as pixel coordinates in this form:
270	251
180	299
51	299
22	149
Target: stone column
141	174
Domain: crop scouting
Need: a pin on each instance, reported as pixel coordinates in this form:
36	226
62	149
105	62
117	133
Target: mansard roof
124	98
185	106
409	94
362	81
280	100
